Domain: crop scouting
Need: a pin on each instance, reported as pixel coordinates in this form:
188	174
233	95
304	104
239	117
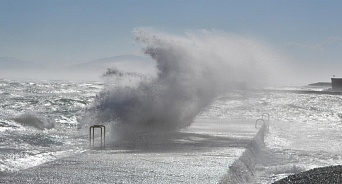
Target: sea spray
114	77
191	71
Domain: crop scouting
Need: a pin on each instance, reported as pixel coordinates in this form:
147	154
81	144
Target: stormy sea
196	77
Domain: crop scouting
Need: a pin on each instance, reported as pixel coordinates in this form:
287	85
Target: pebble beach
327	175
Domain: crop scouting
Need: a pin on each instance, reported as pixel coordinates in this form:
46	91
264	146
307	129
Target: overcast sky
53	31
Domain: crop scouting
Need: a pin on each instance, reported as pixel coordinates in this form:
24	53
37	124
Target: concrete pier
201	153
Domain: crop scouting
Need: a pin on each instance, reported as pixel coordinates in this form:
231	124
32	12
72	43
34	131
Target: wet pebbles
326	175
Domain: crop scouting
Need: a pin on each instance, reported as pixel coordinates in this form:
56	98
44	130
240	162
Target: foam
15	163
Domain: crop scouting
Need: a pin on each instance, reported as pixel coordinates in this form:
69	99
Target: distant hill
13	68
323	84
10	63
130	63
92	70
120	59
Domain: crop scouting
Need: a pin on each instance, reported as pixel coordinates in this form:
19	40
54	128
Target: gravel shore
326	175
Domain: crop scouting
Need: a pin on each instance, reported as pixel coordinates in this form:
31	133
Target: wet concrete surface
201	153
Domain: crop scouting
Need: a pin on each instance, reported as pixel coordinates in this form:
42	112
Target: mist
192	70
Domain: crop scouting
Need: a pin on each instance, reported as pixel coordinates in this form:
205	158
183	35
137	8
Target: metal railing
256	122
92	135
268	116
266	124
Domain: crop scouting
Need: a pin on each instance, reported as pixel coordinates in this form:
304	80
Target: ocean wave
192	71
36	121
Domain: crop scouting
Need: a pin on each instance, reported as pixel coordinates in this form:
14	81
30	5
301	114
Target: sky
74	31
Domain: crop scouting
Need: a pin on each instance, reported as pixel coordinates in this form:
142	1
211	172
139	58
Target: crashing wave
32	120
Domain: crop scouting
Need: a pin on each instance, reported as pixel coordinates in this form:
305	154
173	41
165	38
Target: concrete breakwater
243	169
200	154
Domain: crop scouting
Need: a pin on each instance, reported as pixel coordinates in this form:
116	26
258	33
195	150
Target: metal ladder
92	135
266	124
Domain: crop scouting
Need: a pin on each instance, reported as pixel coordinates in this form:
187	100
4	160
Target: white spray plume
192	71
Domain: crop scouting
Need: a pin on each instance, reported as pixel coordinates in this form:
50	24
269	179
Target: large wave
192	71
33	120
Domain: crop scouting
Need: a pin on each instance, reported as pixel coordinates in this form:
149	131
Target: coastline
329	174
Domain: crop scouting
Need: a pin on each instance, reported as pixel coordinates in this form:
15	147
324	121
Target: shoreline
329	174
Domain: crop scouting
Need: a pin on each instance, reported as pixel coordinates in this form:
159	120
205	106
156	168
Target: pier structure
336	84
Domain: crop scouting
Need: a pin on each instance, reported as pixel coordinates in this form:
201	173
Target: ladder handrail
268	116
267	124
256	122
104	134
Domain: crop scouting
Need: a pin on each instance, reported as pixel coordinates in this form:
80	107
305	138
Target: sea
40	122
